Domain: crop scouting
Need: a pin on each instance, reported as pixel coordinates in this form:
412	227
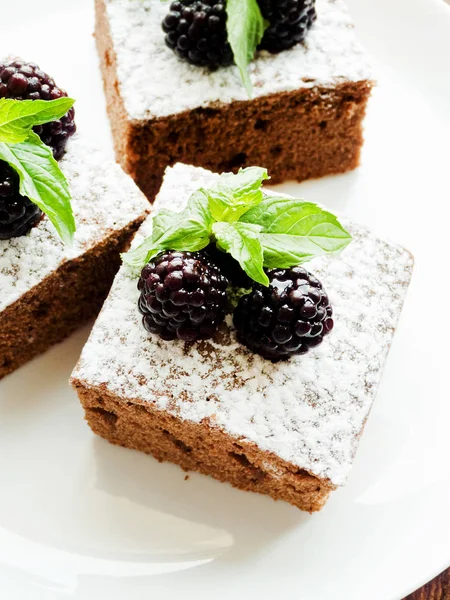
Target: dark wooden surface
438	589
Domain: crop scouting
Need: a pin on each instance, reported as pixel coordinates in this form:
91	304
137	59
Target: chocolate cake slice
48	289
287	429
304	119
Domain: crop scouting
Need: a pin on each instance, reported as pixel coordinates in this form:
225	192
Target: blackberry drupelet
183	295
17	213
289	22
289	317
25	81
196	31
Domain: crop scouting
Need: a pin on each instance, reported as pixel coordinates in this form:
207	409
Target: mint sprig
41	179
245	29
259	231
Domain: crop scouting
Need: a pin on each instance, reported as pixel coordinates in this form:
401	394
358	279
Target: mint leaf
294	231
247	181
245	28
277	214
192	229
162	222
234	194
17	117
282	251
189	230
42	181
241	240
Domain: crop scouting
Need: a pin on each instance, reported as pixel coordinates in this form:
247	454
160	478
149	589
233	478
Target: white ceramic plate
82	519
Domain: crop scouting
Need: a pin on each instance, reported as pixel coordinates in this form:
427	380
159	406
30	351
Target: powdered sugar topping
155	83
309	410
104	200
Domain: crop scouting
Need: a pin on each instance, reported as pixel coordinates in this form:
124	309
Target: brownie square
288	429
48	289
304	120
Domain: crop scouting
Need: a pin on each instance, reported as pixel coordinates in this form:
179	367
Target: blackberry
196	31
289	317
17	213
25	81
183	295
229	267
289	22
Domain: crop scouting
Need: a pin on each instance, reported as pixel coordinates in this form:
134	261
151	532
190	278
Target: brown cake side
298	135
199	447
61	303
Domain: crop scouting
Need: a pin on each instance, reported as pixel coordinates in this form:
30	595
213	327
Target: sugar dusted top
155	83
104	200
308	410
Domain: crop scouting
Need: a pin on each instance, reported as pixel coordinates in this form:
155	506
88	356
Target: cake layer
48	289
199	447
303	121
309	411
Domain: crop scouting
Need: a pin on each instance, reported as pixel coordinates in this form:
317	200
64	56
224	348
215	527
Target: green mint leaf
138	257
245	28
234	194
189	230
277	214
192	230
282	251
162	222
17	117
246	181
294	231
42	181
241	240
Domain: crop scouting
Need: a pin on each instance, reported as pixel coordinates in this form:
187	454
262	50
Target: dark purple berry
289	22
25	81
183	295
196	31
289	317
229	267
17	213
